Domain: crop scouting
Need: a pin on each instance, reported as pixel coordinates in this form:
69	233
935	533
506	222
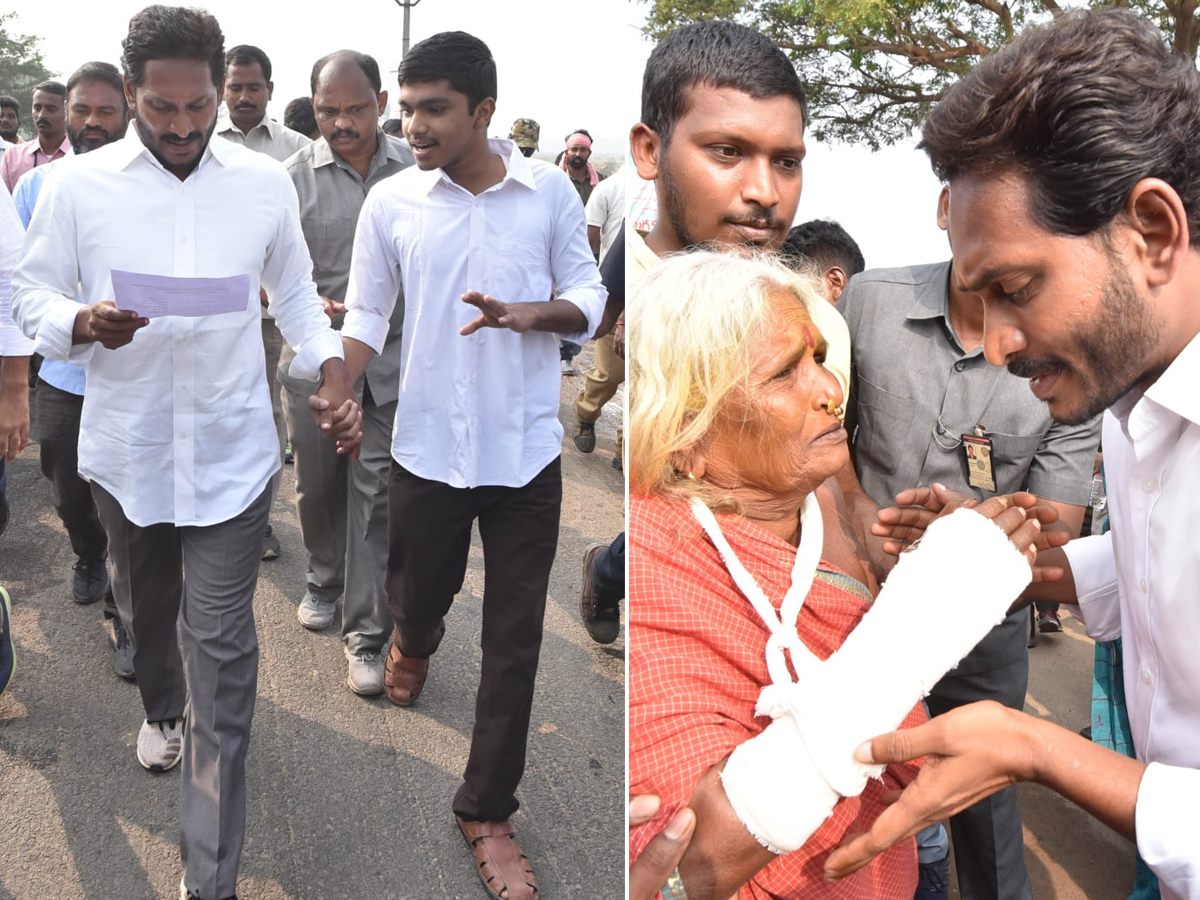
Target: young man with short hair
10	119
479	237
48	102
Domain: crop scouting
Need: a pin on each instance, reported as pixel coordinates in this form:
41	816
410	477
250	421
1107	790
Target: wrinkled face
776	437
347	109
95	115
176	111
732	170
49	115
1061	311
246	94
437	122
577	157
10	120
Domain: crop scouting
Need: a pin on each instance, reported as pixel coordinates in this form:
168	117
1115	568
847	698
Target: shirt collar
1175	388
517	168
324	155
131	147
932	298
225	123
35	147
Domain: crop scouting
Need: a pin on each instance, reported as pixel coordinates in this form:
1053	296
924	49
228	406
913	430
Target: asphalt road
348	797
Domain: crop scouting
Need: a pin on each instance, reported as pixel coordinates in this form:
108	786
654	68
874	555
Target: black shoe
90	581
3	512
932	880
122	646
603	621
585	437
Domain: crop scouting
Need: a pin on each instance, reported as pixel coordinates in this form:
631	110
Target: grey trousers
989	843
343	514
215	614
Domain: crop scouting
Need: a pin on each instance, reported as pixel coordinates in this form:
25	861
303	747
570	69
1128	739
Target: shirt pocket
521	272
884	422
1012	455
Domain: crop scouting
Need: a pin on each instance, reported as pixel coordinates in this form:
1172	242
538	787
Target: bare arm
14	405
559	316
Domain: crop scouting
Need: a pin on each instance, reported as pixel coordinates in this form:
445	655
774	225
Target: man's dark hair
172	32
298	115
460	58
1083	109
248	55
50	87
393	127
99	71
7	102
582	131
715	55
826	243
369	67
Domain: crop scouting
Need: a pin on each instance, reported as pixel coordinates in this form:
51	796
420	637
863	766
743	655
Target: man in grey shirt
920	384
334	496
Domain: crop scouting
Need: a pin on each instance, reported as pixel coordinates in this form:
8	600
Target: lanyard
782	626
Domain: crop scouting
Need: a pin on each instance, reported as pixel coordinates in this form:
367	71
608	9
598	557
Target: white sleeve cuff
591	303
1168	831
367	326
1094	569
321	346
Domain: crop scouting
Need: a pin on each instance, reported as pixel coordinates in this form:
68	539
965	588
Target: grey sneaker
122	646
270	544
160	744
315	614
364	672
568	368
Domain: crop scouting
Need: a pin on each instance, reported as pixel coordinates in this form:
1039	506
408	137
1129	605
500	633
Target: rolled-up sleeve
293	300
572	265
12	236
1168	832
374	278
1094	569
45	283
1062	467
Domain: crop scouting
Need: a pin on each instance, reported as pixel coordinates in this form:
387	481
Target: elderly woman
745	580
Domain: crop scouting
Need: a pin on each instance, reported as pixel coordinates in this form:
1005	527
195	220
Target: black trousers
429	537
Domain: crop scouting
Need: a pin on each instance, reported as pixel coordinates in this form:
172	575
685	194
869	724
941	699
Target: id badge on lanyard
978	450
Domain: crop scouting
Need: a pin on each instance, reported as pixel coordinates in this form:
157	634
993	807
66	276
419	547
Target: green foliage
21	68
874	68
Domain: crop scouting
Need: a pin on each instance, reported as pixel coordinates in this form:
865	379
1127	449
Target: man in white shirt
176	434
248	89
1074	213
605	212
477	235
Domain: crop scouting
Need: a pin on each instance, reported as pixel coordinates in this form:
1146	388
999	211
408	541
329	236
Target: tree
874	68
21	67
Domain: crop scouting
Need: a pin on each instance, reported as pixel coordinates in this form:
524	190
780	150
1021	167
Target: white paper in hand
151	296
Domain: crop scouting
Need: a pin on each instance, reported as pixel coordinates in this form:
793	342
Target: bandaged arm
782	784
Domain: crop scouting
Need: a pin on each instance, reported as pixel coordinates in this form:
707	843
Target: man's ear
645	145
382	101
1158	227
484	112
836	280
130	95
943	208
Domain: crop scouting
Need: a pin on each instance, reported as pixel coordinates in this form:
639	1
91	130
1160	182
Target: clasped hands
972	751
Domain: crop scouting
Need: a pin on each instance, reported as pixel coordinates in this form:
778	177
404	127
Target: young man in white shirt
478	235
1074	213
176	434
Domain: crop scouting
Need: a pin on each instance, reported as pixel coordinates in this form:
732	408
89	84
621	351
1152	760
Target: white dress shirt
177	424
12	235
1140	582
481	409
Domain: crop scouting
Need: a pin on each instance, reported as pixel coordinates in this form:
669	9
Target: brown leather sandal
502	865
403	676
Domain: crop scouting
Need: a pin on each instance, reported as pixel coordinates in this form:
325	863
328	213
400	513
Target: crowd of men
163	436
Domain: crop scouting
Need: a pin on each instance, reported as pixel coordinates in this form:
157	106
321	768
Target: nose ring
835	410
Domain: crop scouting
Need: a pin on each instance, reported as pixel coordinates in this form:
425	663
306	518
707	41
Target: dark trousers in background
215	616
568	350
429	535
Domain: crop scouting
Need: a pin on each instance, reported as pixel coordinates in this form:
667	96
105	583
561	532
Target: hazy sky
568	65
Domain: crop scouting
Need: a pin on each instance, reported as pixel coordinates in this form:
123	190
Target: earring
691	476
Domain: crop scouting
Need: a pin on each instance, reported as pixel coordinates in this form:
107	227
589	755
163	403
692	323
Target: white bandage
784	783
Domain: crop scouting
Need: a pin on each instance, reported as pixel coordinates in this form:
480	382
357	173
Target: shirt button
1142	585
941	429
1145	677
1149	485
959	366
